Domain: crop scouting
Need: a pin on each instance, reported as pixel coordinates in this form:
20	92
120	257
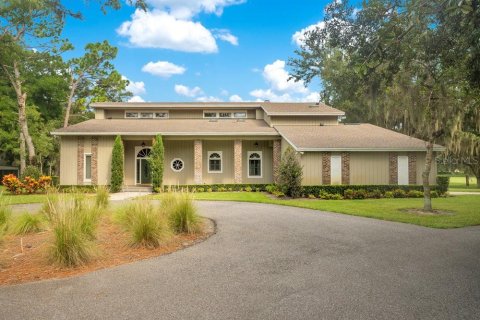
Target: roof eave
366	149
164	133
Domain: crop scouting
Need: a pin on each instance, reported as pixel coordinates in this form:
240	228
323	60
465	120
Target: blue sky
203	50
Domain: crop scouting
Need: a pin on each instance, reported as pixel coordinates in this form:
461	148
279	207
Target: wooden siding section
227	174
266	147
68	160
183	150
105	147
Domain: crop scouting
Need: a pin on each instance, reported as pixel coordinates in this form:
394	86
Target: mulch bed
421	212
24	258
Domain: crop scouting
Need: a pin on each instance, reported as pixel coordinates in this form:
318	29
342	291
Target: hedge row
214	187
340	189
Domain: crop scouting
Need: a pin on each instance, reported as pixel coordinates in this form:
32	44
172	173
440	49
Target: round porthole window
177	165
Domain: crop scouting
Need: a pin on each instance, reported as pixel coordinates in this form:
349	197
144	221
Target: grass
28	223
182	212
458	183
465	208
101	197
74	221
146	223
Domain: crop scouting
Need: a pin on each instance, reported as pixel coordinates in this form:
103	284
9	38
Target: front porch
204	161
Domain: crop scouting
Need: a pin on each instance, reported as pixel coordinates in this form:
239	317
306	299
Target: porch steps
137	189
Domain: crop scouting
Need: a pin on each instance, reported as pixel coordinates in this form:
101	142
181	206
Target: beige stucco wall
183	150
105	147
68	160
227	175
310	120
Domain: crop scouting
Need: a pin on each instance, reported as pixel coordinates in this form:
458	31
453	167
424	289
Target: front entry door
145	172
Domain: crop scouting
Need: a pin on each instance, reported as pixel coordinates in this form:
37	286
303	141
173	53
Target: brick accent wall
80	159
277	156
393	168
345	168
237	161
326	171
94	160
197	161
412	168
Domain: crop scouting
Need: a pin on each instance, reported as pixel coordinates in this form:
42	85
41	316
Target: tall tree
393	59
93	76
27	26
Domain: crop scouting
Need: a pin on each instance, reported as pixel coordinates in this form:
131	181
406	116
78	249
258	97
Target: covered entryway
143	174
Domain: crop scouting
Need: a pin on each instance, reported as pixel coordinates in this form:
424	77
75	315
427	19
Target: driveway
274	262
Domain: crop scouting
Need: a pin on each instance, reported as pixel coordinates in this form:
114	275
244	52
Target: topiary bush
290	174
156	161
443	184
118	151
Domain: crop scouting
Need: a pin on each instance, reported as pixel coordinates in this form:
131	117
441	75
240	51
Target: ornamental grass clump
74	222
183	213
147	224
28	223
101	197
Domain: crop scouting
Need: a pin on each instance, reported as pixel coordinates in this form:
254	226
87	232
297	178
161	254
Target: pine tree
156	162
117	165
290	174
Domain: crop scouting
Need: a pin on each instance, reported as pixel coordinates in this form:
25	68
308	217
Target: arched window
255	164
177	165
215	162
144	153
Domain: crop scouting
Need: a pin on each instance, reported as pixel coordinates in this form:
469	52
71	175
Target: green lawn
466	209
458	183
23	198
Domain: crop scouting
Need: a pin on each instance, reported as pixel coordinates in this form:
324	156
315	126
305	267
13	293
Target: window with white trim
146	115
87	164
215	162
240	114
254	164
224	114
177	165
130	114
208	114
161	114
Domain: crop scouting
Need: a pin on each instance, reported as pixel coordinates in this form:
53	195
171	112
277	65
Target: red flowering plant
12	183
28	185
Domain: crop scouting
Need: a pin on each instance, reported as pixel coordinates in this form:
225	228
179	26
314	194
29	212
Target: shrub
156	161
116	180
248	189
389	194
360	194
74	222
209	190
200	189
12	183
278	194
146	223
28	223
348	194
333	196
101	197
375	194
222	189
414	194
230	189
183	214
271	188
5	215
257	190
32	172
434	194
290	174
442	184
311	196
399	193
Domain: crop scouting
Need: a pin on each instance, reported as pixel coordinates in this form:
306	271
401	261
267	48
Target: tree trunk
427	199
23	162
467	180
22	113
73	87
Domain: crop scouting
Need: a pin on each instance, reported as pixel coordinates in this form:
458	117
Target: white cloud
208	99
163	69
158	29
135	87
225	35
188	92
299	36
186	9
235	98
136	99
280	88
277	77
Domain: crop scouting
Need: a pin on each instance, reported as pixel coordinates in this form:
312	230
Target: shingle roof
271	108
352	137
168	127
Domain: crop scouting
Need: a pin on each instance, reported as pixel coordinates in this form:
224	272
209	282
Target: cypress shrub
117	165
290	174
156	162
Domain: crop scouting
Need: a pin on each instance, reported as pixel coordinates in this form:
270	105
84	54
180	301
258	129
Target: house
237	143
